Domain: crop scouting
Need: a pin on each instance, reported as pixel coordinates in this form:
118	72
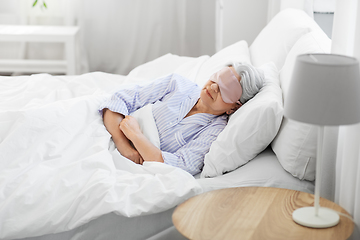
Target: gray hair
252	80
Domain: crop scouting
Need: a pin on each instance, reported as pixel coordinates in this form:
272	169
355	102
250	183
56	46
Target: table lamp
324	91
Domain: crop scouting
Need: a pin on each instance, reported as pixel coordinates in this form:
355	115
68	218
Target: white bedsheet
56	169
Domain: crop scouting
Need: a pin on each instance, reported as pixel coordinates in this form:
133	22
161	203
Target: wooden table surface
253	213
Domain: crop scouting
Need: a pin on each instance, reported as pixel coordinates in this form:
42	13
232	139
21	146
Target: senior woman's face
222	91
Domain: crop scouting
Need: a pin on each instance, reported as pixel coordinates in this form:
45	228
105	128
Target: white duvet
58	166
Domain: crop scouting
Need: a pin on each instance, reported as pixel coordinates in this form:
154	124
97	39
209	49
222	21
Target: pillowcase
145	118
158	67
237	52
312	42
295	144
249	130
275	41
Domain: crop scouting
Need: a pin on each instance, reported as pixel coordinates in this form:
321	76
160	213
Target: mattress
264	170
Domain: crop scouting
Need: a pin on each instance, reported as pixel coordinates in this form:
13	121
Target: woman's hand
130	127
112	122
130	153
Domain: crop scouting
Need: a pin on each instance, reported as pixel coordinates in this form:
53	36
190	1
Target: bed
61	177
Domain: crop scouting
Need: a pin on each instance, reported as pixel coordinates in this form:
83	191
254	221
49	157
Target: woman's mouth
208	93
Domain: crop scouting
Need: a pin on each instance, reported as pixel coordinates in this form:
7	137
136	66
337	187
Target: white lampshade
324	90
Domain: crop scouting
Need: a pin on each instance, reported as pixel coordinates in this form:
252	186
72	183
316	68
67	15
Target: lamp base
306	216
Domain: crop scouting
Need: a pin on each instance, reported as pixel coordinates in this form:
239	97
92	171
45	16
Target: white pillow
145	118
250	129
312	42
158	67
275	41
237	52
295	144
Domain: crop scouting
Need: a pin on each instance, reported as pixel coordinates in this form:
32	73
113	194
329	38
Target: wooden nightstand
253	213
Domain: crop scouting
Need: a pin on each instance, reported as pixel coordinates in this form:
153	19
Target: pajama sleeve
131	98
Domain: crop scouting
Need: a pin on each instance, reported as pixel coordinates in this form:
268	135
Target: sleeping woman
188	118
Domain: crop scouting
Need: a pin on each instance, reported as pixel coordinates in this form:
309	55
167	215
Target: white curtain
119	35
346	40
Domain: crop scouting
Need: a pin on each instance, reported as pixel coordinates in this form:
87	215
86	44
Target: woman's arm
112	122
130	127
133	97
189	157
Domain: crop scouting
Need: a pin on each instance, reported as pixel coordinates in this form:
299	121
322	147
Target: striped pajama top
183	141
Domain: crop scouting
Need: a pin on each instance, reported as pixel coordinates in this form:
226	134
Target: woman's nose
215	87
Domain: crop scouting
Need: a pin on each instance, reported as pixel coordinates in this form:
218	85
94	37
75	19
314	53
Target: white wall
200	24
207	31
243	20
